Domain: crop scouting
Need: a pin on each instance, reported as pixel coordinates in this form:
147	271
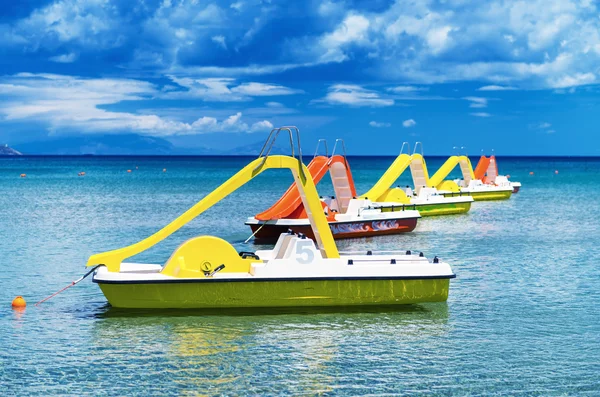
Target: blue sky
519	77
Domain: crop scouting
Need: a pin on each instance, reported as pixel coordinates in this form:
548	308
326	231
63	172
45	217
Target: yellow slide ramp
392	174
308	192
448	166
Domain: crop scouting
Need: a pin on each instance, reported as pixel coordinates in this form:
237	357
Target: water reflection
259	350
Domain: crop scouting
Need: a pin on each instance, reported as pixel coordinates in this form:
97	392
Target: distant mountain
118	144
254	149
8	151
131	144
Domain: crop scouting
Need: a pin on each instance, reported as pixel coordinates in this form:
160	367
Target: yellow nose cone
19	302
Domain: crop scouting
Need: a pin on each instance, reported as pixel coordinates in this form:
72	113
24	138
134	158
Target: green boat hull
485	196
437	209
189	294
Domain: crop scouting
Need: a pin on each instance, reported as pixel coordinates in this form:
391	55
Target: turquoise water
522	317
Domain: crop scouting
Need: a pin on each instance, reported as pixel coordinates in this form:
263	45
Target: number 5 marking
304	255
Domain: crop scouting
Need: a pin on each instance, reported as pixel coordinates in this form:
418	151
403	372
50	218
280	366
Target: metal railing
319	144
268	146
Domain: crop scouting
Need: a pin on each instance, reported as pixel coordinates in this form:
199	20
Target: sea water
522	317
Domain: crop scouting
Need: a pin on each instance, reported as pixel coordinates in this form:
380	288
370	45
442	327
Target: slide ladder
291	199
418	169
492	171
341	178
466	169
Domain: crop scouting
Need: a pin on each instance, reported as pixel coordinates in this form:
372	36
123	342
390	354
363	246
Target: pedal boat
487	171
294	273
425	198
208	272
477	189
502	180
428	201
362	218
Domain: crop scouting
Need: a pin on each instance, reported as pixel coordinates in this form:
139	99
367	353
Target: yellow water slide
465	167
308	192
390	176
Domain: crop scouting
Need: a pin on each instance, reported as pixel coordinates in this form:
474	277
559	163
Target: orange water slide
482	167
291	199
290	204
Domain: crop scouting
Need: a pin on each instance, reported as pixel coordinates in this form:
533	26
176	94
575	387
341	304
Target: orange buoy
531	173
128	170
556	172
164	170
19	302
23	175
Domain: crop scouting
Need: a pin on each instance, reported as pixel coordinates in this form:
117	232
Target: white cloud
65	58
274	105
438	39
409	123
504	43
573	80
480	114
220	40
496	88
354	95
261	126
377	124
353	29
477	102
533	44
406	89
92	23
74	104
223	89
544	125
261	89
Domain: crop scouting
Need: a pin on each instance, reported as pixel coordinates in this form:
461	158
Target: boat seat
284	246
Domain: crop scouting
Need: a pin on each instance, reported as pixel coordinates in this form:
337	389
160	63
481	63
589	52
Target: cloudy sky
520	77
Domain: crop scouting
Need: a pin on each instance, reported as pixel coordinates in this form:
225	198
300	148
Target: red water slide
290	204
482	167
291	199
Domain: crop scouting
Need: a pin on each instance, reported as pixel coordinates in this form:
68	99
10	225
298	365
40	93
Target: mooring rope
254	234
70	285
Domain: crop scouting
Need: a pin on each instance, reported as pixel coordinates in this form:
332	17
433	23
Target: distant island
126	145
5	150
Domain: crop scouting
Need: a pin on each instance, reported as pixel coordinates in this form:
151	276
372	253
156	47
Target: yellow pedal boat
208	272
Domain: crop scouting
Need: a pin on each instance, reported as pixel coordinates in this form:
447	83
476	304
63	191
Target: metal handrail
415	148
402	148
319	144
343	148
274	134
459	150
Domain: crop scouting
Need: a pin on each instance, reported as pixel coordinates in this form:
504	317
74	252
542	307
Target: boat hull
211	294
439	209
486	195
340	230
